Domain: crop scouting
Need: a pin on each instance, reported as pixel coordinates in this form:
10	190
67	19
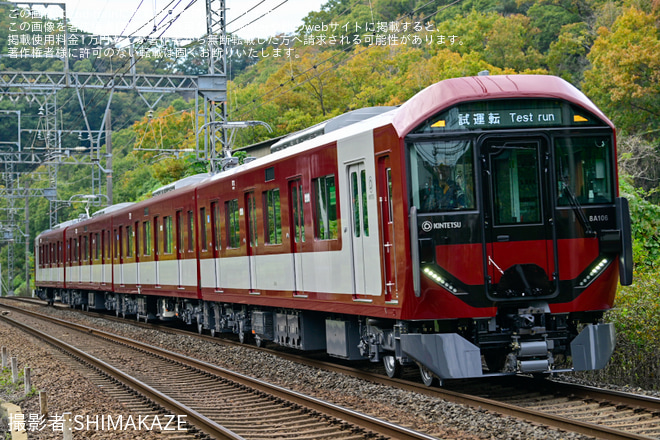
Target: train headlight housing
595	272
442	281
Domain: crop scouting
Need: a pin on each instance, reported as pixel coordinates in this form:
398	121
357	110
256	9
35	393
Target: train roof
450	92
112	208
330	125
68	223
61	226
181	183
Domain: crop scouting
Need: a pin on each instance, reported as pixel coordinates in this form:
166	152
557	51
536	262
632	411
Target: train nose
524	280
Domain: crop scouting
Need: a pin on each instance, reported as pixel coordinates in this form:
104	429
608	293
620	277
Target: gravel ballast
71	392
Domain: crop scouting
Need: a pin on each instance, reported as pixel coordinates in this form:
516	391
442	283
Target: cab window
442	175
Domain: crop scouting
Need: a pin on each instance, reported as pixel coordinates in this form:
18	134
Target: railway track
590	411
220	403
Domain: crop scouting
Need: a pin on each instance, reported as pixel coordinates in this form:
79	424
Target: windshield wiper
577	208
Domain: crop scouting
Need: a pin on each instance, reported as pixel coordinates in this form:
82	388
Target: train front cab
517	238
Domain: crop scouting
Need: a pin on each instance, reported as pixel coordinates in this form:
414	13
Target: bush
636	317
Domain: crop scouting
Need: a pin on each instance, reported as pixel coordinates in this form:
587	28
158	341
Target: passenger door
156	251
179	247
297	228
387	226
252	238
518	218
359	225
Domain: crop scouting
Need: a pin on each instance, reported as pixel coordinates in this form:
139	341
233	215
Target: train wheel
213	333
200	328
427	377
259	342
392	367
241	337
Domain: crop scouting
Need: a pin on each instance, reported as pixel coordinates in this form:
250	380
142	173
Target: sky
123	17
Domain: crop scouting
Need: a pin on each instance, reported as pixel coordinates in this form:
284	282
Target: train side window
233	226
108	243
129	241
191	231
97	246
168	234
146	238
120	243
85	248
179	232
272	210
136	239
116	242
215	225
76	249
252	219
156	243
202	228
298	211
325	199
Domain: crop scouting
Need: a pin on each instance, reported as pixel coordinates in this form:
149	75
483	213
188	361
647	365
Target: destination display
508	114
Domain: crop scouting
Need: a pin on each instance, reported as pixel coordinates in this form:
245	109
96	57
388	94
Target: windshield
442	175
584	170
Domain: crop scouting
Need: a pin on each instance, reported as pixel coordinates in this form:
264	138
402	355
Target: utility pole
213	86
108	154
27	238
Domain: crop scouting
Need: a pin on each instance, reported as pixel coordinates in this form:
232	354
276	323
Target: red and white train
474	230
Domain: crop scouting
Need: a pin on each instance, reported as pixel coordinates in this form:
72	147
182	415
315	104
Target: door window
517	197
298	212
360	211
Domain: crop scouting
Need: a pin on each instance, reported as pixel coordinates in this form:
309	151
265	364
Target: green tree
625	78
509	44
549	20
567	56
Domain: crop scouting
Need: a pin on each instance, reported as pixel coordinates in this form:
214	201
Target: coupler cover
448	355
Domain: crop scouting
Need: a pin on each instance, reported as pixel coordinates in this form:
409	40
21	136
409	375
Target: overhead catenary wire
106	89
315	66
259	18
247	12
